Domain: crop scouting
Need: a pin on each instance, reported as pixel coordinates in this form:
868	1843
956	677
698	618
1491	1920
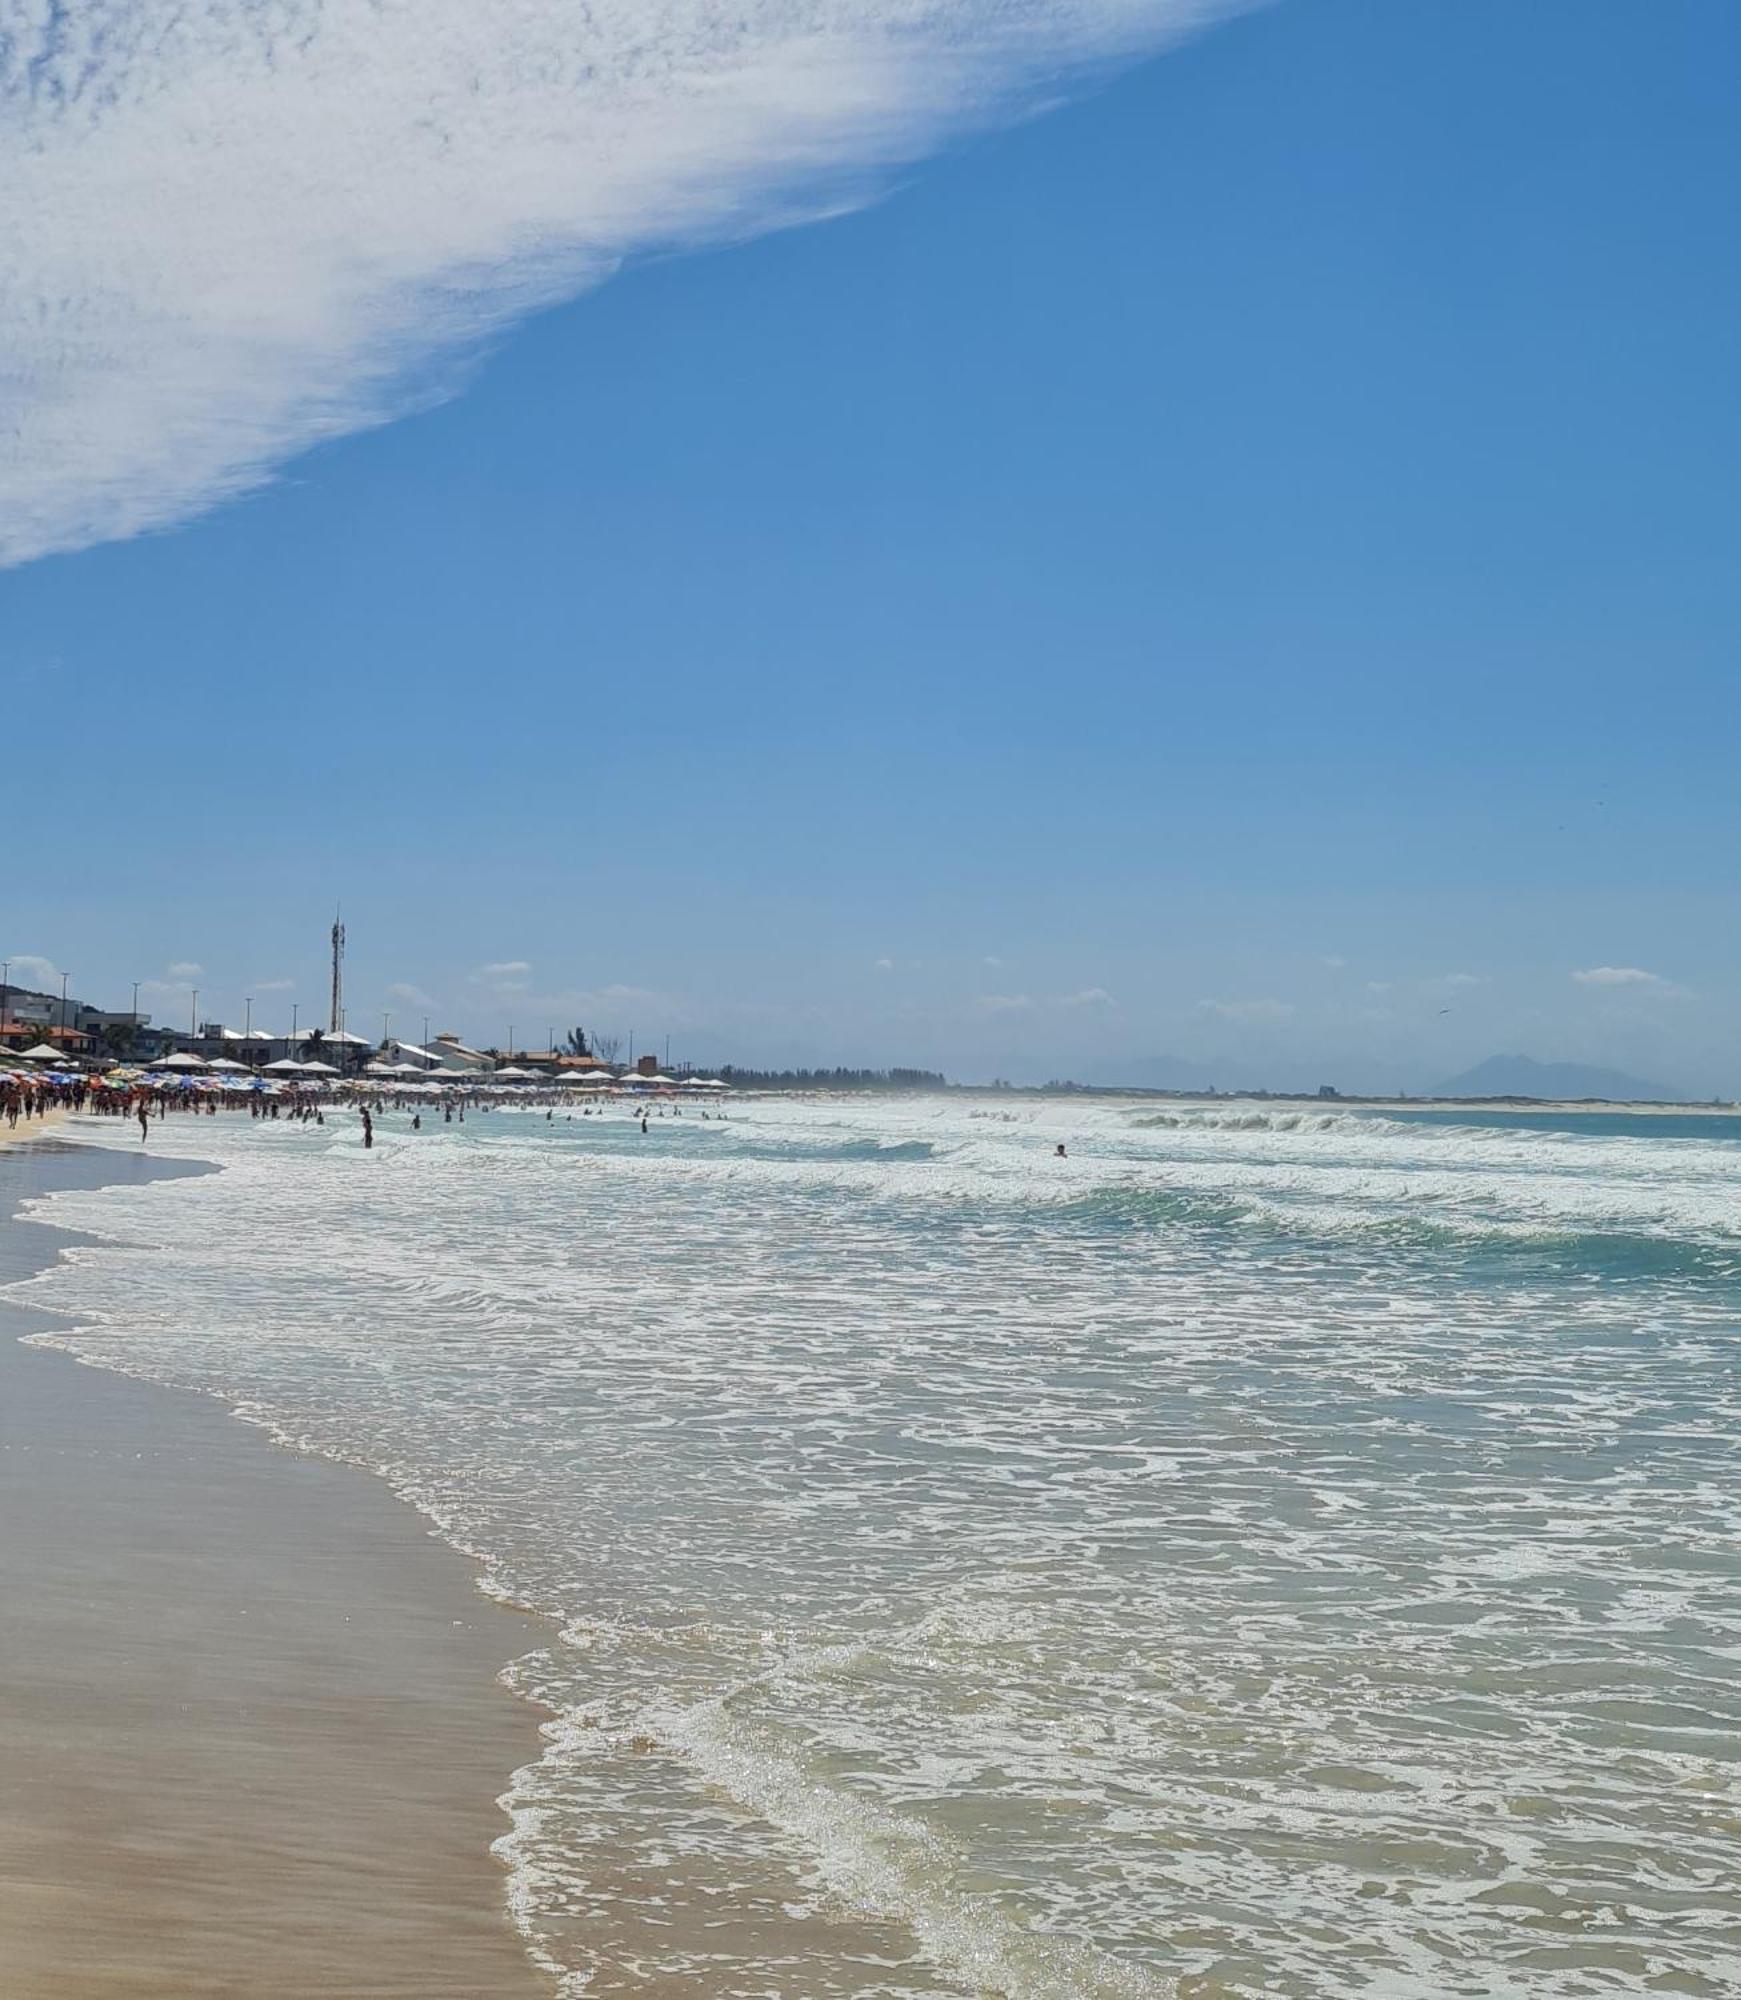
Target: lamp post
63	981
193	1016
5	982
248	1033
295	1009
133	1038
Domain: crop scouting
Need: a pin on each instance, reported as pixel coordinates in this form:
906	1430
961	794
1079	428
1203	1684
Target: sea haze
1264	1551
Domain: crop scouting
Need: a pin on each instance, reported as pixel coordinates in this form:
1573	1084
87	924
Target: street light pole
133	1038
63	981
193	1017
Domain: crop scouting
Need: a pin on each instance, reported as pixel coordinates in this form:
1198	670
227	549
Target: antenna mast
338	978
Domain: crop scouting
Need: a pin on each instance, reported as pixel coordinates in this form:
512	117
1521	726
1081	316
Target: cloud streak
236	228
1618	975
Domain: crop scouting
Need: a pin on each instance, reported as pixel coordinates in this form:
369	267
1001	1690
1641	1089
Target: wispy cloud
29	968
274	985
1618	975
1027	1003
411	996
235	228
1247	1010
504	968
184	968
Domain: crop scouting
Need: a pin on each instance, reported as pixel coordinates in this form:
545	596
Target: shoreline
252	1731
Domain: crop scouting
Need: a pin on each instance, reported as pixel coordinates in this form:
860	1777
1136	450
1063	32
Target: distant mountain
1523	1076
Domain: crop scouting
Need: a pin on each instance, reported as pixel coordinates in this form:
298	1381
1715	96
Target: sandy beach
251	1739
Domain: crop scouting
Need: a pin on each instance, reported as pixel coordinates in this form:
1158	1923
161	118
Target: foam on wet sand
250	1733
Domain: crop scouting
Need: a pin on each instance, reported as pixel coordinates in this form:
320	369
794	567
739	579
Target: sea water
1263	1552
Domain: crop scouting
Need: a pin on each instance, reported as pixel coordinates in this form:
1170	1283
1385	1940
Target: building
28	1017
447	1053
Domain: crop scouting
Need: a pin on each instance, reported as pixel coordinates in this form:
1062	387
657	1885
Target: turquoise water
1280	1552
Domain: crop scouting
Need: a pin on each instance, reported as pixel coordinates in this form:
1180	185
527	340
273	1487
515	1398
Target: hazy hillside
1523	1076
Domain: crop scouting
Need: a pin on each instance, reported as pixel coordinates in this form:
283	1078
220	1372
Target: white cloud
882	965
235	228
1025	1003
994	963
29	968
184	968
1247	1010
274	985
1463	979
1618	975
410	996
1378	986
1330	959
506	968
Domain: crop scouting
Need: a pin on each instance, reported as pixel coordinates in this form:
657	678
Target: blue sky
1237	565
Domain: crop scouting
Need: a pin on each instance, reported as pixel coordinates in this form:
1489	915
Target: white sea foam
1250	1555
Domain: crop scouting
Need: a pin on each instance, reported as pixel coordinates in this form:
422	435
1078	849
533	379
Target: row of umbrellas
288	1066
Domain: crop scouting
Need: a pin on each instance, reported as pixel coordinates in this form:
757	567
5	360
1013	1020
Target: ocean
1268	1551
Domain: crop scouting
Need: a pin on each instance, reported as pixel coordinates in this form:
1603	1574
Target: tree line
834	1079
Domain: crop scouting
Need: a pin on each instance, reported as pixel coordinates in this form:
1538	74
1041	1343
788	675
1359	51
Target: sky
1070	538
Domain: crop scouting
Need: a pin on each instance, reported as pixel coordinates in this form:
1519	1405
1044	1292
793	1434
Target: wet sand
251	1740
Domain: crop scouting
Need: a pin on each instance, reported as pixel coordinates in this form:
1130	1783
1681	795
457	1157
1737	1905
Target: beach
1056	1549
251	1739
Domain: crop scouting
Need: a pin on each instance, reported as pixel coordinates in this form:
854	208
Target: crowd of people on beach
30	1099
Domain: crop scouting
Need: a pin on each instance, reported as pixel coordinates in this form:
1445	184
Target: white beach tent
317	1069
512	1071
223	1062
41	1053
284	1066
182	1059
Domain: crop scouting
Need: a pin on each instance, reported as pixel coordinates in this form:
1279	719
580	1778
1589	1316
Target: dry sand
250	1736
